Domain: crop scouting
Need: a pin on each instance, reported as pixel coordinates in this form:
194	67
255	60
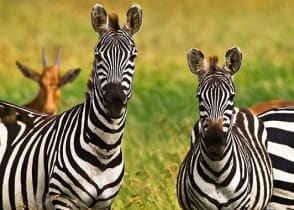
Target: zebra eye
231	97
98	56
132	57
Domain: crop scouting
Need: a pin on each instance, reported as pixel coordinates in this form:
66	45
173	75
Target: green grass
164	107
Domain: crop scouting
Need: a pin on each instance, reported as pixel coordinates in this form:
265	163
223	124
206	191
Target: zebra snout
114	99
215	123
215	140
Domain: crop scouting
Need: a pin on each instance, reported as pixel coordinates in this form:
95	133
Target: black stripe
282	200
286	117
280	136
282	164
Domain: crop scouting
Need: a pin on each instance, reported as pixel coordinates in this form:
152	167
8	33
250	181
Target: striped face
215	94
114	69
115	55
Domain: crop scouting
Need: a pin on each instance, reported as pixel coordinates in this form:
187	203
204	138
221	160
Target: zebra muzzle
215	140
115	100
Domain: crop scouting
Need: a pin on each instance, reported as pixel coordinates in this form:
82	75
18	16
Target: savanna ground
164	107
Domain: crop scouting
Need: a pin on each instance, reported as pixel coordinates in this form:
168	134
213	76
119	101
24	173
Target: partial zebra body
73	160
279	123
227	166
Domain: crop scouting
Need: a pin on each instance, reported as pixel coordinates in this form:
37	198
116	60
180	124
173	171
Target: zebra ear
233	60
196	61
99	19
134	19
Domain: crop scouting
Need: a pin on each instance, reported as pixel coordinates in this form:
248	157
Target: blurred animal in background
50	82
267	105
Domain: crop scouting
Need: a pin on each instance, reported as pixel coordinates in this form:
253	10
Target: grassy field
164	107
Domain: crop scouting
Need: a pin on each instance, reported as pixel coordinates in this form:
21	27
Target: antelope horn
57	59
44	57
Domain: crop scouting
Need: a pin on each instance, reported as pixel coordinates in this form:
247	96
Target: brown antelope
264	106
50	82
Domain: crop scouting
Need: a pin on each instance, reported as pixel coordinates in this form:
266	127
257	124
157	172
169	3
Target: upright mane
113	22
213	64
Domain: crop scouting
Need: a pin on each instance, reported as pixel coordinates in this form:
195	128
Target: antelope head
50	82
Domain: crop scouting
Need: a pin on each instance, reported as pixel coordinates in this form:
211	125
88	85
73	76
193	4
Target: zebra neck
217	167
101	130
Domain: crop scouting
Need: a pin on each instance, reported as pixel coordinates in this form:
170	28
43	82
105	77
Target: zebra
74	160
279	123
227	165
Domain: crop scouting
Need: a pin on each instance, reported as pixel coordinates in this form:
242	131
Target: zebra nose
215	123
214	139
114	98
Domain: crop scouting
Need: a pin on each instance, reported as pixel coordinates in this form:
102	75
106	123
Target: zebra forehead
213	82
112	39
216	79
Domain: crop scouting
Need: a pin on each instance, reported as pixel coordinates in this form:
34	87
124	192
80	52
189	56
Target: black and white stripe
279	123
227	166
73	160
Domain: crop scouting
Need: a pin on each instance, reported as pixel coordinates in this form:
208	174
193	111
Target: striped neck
103	133
216	166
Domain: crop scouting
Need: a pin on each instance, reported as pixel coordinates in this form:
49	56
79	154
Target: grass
164	107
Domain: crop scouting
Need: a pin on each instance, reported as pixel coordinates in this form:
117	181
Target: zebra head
115	55
215	93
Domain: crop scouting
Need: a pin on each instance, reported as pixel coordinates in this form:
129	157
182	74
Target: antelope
50	82
267	105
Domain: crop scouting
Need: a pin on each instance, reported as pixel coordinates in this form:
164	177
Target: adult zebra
73	160
279	123
227	166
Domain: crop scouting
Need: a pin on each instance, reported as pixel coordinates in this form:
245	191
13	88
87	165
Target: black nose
114	98
215	142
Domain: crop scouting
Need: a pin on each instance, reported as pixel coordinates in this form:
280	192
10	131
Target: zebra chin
115	112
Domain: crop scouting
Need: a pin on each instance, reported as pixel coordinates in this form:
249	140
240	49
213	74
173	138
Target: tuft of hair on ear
113	23
213	63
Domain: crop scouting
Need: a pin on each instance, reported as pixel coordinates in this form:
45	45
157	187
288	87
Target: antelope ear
196	61
70	76
99	19
29	73
233	60
134	19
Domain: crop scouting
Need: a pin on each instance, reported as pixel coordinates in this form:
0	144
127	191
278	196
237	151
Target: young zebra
227	166
73	160
280	124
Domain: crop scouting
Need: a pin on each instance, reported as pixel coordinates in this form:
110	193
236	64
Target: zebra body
73	160
279	123
227	166
75	170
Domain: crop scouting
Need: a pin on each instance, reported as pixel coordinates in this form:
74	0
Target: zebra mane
213	64
90	84
113	24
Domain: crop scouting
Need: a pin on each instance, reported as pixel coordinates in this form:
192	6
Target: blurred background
164	108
